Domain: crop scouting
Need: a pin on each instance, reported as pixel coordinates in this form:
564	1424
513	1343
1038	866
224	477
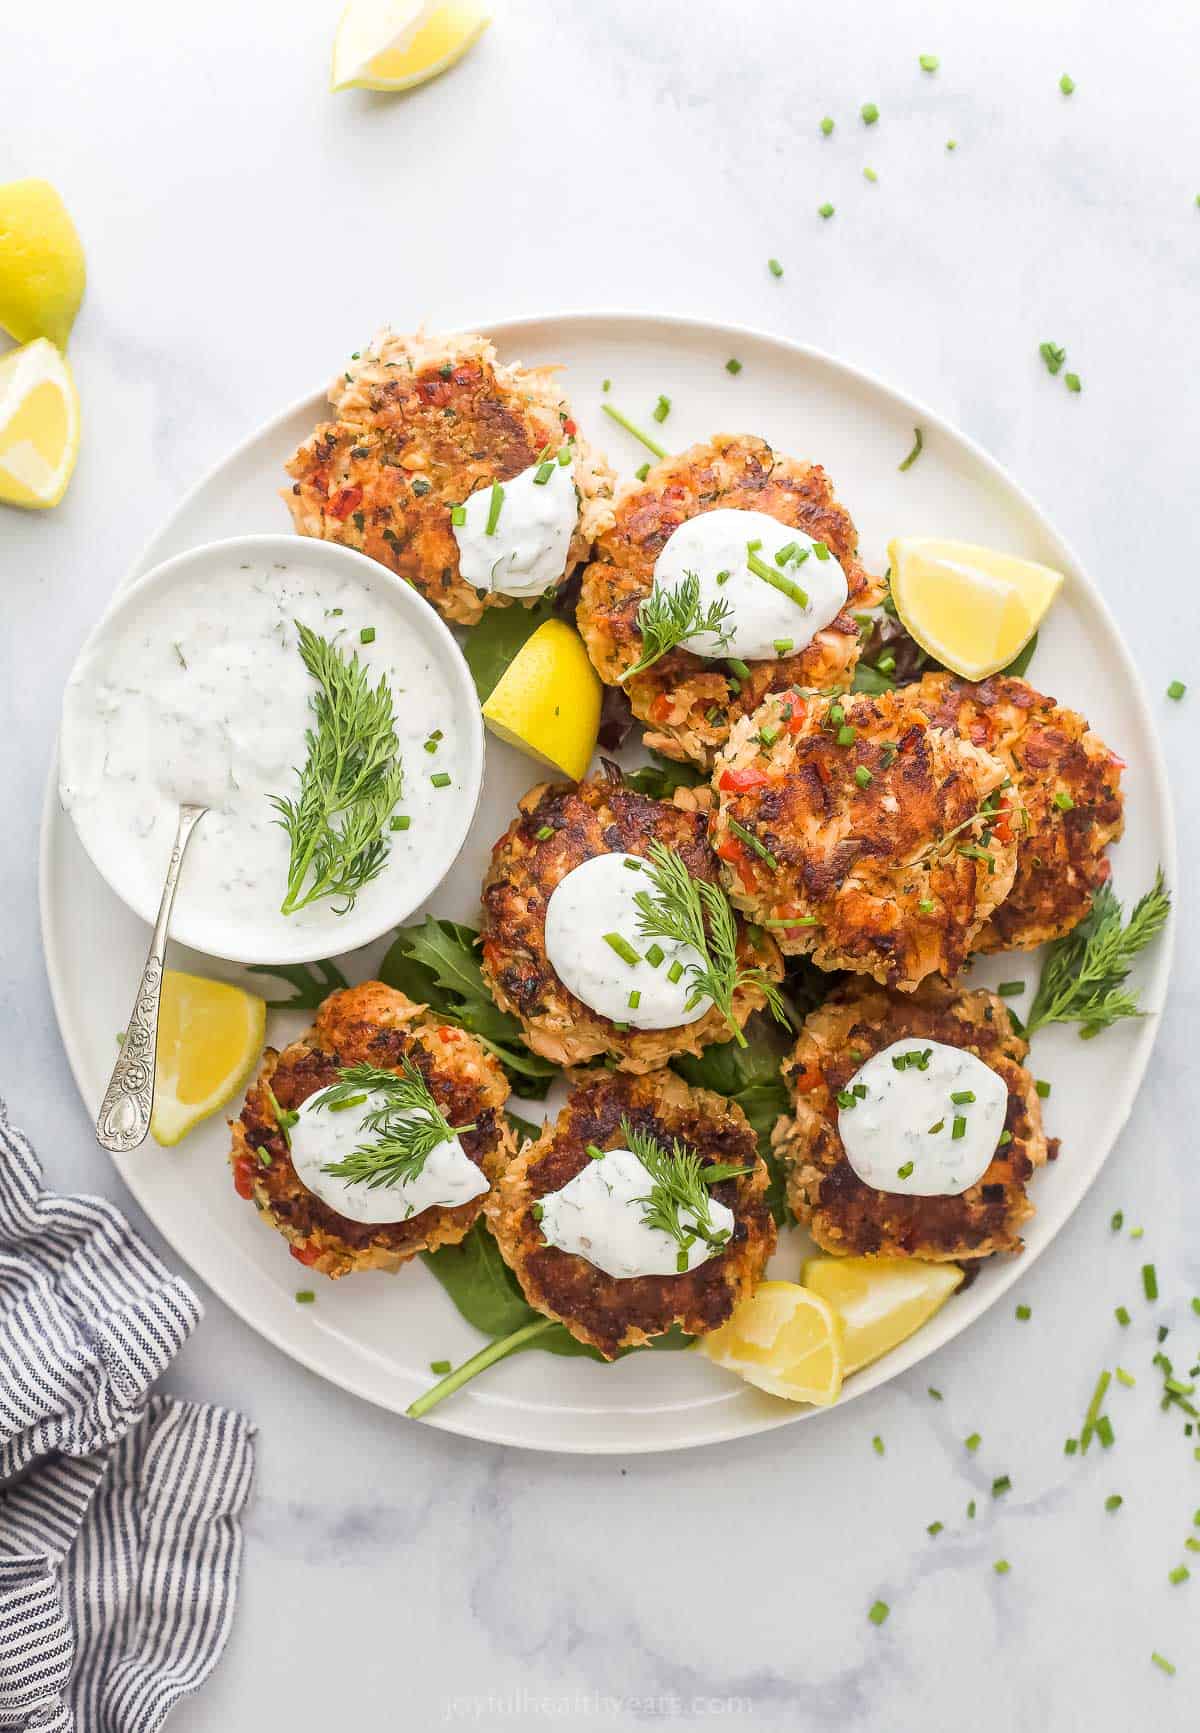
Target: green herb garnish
668	617
623	420
405	1127
678	1203
1083	977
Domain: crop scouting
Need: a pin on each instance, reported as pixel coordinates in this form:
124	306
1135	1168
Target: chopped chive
925	906
1073	382
1136	1233
642	471
1179	1575
1024	1313
776	579
886	664
494	504
662	408
1071	1446
827	125
342	1106
959	1128
935	1528
264	1157
905	1171
971	1511
1161	1662
1042	1087
1122	1316
847	734
739	667
458	514
733	366
1063	801
826	210
1053	354
655	955
1093	1412
937	1397
1010	989
564	455
441	1367
1125	1378
879	1612
623	420
918	446
632	864
675	971
951	144
870	113
1066	84
401	821
769	734
783	646
928	62
820	550
1001	1567
367	635
973	1442
623	948
305	1297
877	1445
863	776
934	1129
606	385
1150	1281
1117	1221
760	848
1176	690
793	921
962	1097
543	833
1001	1485
1004	1140
1114	1501
543	473
635	999
594	1150
870	175
775	268
440	779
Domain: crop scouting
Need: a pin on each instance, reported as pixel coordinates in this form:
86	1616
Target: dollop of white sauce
527	552
595	898
598	1215
321	1139
715	546
899	1134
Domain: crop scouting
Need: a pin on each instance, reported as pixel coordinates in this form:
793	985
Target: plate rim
1154	988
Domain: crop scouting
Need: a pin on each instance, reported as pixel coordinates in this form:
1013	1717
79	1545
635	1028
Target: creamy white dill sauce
203	696
763	623
527	551
321	1139
595	898
899	1135
598	1216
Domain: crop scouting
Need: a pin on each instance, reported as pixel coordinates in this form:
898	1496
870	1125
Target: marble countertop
242	226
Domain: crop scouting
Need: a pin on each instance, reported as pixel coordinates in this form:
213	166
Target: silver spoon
124	1117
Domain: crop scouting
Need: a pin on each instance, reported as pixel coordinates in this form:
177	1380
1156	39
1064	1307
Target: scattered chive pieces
1114	1501
1005	1139
441	779
870	175
1118	1221
827	125
870	113
623	948
775	268
544	832
973	1442
971	1511
935	1528
733	366
494	504
642	471
662	408
1136	1233
606	385
594	1150
879	1612
1066	84
1196	1303
1001	1567
1071	1446
783	646
1073	382
1001	1485
441	1367
1176	690
1104	1431
401	821
918	446
739	667
826	210
951	144
623	420
655	955
635	999
877	1445
367	635
675	971
1024	1313
929	62
458	514
305	1297
1161	1662
1010	989
959	1128
543	473
1125	1378
962	1097
1150	1281
925	906
847	734
1122	1316
1053	354
1179	1575
937	1397
1042	1087
1063	801
1089	1419
863	776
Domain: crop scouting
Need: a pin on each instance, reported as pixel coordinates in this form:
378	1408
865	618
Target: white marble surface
242	227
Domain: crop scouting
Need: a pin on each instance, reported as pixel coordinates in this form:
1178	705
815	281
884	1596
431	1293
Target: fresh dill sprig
678	1203
406	1126
1083	977
351	780
690	911
665	618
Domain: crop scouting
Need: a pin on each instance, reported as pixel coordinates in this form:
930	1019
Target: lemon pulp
547	701
39	425
395	45
881	1301
785	1339
973	608
210	1035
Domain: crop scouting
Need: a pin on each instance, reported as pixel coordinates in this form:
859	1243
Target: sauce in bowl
193	688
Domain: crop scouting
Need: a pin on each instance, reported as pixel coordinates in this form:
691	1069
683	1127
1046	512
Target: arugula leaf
1084	974
1022	659
490	645
662	776
524	1128
750	1076
437	965
313	983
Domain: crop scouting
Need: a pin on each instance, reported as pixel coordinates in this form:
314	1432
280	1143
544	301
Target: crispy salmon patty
368	1024
1067	790
844	1214
862	836
419	424
608	1312
690	704
559	826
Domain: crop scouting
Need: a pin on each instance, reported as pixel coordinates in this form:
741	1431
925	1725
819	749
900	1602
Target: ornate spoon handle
124	1116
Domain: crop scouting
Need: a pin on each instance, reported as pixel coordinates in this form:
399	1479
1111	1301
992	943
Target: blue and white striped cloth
120	1513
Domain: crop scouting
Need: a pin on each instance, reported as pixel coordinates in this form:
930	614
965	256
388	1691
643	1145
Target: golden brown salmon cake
847	1216
369	1024
860	835
558	826
610	1312
690	704
1068	800
419	424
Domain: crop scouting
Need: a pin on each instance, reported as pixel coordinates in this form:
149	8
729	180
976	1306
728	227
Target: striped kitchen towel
120	1513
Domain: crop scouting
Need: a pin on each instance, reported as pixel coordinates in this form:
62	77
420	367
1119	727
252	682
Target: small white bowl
113	663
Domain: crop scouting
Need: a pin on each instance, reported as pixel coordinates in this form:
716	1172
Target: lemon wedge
39	425
973	608
209	1038
881	1301
547	701
396	44
785	1339
42	272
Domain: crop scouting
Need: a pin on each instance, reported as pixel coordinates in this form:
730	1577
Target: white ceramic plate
376	1334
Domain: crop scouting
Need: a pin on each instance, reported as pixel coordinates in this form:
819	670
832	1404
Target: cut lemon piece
785	1339
973	608
547	701
42	272
396	44
209	1038
39	425
881	1301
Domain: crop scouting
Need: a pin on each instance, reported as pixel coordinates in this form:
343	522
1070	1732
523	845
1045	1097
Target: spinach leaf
1022	660
662	776
437	965
750	1076
490	646
524	1128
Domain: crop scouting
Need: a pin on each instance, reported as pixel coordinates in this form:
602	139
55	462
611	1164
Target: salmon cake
368	1032
862	836
1067	795
690	702
864	1032
562	946
421	424
577	1204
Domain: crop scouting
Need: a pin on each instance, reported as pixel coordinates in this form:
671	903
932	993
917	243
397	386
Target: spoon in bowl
124	1117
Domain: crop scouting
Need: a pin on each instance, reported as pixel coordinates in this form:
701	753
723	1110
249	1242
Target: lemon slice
785	1339
42	272
209	1038
973	608
396	44
881	1301
39	425
547	701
